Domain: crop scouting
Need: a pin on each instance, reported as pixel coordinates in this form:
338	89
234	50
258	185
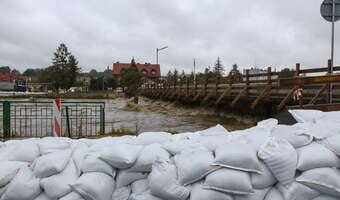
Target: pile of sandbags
265	162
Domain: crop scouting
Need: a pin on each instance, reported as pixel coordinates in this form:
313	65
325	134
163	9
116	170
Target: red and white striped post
57	117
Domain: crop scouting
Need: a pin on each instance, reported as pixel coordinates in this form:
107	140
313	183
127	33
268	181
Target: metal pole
68	122
332	51
6	109
157	56
194	71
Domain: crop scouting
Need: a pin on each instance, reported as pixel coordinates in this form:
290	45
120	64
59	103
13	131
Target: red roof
9	77
150	70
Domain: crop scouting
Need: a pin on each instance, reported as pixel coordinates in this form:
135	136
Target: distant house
255	70
148	69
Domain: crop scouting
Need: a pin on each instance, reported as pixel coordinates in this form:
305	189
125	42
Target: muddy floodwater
151	115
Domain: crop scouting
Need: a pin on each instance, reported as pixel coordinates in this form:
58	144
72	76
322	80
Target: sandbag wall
266	162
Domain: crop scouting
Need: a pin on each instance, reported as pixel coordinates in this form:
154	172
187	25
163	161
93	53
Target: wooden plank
323	107
309	80
315	98
239	96
225	93
288	96
197	95
207	97
262	95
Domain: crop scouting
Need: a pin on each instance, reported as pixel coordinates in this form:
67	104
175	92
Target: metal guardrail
21	119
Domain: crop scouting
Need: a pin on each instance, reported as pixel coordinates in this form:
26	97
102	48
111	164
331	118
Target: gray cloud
98	33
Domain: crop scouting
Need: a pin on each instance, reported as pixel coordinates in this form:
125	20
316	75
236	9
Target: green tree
286	73
236	73
5	69
64	68
32	72
218	69
130	79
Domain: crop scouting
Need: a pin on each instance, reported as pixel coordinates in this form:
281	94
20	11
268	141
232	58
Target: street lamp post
158	50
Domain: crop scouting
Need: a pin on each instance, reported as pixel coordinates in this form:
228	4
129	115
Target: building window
153	72
144	71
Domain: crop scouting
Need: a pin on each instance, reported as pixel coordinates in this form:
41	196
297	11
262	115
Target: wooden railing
320	89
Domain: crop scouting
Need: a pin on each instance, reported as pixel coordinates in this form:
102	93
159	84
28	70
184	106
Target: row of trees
209	73
218	71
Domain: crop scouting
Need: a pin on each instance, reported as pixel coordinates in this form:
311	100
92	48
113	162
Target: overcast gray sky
266	32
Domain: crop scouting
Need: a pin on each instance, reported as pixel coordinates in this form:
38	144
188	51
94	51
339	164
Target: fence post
297	69
330	85
102	120
6	109
247	81
68	123
269	75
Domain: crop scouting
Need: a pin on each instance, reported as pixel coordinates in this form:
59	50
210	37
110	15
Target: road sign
327	10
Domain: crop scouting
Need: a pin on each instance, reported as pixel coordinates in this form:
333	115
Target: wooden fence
321	89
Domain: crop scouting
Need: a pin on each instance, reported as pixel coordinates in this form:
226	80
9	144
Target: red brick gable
150	70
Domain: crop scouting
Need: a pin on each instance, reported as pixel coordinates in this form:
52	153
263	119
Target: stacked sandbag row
266	162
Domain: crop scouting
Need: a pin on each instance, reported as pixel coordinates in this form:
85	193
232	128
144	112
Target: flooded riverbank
151	115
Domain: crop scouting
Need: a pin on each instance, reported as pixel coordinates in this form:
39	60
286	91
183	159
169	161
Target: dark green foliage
287	73
64	69
218	68
236	73
5	69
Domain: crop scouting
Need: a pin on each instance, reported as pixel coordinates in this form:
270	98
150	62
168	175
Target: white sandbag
194	165
79	152
57	185
281	158
52	144
273	194
42	196
199	193
325	197
72	196
213	141
238	155
216	130
52	163
324	180
140	186
122	193
322	129
176	147
26	151
255	136
303	116
295	134
144	196
257	195
147	138
163	182
120	155
230	181
147	156
94	186
264	180
126	177
91	163
8	170
268	124
297	191
23	186
316	156
333	144
3	189
333	116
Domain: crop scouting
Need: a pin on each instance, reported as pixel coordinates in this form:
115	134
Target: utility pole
158	50
194	71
